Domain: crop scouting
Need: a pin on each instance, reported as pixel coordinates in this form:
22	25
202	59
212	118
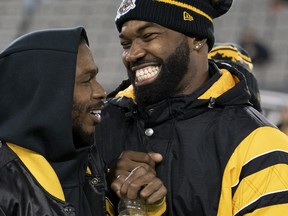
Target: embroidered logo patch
187	16
125	7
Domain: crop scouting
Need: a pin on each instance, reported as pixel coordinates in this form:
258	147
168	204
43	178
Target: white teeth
98	116
96	113
147	72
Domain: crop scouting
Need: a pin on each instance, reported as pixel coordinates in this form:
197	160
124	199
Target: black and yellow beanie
237	57
193	18
230	52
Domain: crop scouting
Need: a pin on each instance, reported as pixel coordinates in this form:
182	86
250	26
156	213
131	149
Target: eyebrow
141	28
91	72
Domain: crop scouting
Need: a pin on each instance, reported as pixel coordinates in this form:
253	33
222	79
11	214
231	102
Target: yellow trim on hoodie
223	84
157	209
109	207
88	171
128	92
40	169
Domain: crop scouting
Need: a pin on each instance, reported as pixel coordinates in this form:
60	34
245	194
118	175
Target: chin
83	136
90	130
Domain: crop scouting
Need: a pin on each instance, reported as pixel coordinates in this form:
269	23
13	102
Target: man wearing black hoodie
44	150
50	103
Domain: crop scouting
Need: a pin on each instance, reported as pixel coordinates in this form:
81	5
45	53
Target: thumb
156	157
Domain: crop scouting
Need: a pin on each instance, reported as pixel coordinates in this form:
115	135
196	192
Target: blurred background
260	26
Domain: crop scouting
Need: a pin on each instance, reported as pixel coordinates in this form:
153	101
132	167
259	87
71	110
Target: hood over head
37	85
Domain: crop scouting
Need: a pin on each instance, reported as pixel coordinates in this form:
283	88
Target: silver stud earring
198	46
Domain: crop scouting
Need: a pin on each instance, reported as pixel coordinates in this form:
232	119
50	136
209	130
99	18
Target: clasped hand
134	175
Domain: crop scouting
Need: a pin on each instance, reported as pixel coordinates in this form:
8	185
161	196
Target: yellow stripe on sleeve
265	182
272	179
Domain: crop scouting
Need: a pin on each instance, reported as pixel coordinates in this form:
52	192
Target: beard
167	84
80	137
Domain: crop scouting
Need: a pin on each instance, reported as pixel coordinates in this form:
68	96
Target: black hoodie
36	96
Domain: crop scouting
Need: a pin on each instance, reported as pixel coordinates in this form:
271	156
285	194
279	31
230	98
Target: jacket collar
36	163
225	87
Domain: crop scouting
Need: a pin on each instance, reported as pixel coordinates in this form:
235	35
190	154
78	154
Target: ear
198	44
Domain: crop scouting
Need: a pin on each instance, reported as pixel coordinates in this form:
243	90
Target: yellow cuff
157	209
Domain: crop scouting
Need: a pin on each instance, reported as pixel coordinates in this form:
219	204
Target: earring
198	46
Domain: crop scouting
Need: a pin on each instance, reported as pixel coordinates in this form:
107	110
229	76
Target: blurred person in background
278	5
236	56
220	155
259	51
283	120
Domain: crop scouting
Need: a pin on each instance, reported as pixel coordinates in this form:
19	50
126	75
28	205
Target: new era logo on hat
187	16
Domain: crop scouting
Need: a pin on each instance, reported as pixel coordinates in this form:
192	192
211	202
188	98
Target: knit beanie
194	18
231	52
237	57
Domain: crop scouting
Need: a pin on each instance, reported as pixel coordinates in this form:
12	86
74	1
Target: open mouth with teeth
96	114
146	75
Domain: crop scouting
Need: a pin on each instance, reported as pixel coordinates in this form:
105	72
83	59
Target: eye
149	36
125	44
88	79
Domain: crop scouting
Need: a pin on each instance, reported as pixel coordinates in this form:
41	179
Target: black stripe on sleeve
260	163
280	197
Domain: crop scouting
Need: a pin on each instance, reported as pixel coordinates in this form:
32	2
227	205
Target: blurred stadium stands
98	18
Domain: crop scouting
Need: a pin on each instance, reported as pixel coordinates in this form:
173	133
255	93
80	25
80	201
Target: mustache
82	107
98	105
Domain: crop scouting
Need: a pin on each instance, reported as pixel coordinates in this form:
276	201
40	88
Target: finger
120	172
128	165
154	191
157	196
117	184
133	171
140	157
156	157
134	182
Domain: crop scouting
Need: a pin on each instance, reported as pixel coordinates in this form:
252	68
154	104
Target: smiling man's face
156	58
88	95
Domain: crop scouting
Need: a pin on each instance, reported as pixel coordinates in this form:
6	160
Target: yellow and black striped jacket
221	156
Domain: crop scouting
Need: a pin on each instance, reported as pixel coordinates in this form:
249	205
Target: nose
135	51
98	91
